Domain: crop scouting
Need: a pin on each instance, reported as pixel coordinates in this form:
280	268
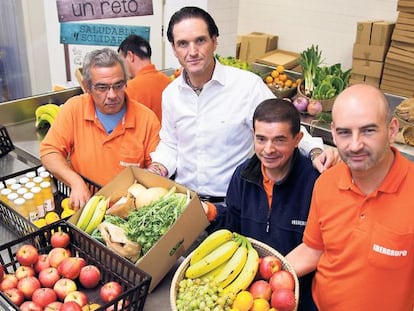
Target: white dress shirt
205	137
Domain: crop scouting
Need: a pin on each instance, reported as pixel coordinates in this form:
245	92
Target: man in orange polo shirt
98	134
360	231
146	82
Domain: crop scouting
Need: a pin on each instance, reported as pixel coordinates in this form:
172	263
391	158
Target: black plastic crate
18	223
6	144
134	281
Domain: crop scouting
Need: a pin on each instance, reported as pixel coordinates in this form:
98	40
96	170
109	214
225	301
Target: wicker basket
262	249
402	122
326	103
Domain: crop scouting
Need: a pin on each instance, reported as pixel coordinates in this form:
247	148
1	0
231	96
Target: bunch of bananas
92	213
46	114
227	258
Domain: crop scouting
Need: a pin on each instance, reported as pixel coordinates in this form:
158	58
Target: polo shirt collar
392	181
128	119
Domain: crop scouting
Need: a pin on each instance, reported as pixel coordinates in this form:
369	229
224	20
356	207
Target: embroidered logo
389	252
297	222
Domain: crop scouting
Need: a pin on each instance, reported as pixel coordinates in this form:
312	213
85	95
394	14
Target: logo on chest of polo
389	252
297	222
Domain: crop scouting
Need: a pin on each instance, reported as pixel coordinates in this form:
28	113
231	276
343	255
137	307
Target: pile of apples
275	285
55	281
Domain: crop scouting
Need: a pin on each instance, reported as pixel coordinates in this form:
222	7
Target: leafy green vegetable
309	60
149	223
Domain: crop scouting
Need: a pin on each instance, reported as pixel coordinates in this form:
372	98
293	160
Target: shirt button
362	216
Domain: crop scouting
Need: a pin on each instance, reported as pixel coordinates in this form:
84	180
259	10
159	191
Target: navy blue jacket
281	226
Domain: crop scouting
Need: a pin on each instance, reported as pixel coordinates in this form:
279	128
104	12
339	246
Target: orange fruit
283	77
280	68
260	304
275	73
269	79
243	301
288	83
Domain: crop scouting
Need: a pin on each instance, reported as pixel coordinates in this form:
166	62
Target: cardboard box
357	77
255	45
405	6
367	68
381	33
280	57
363	34
372	81
176	241
405	18
369	52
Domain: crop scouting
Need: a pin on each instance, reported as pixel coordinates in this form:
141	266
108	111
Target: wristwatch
314	153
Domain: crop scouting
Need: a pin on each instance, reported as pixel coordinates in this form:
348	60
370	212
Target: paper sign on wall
99	34
77	10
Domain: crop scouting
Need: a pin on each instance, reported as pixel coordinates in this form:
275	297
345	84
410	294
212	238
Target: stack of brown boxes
371	45
255	45
398	76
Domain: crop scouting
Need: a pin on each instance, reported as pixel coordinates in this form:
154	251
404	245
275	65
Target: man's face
108	100
274	145
193	46
362	134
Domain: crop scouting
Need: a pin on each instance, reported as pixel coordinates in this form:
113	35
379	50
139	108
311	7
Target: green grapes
234	62
201	294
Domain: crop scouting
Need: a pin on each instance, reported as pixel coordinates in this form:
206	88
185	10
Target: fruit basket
262	249
6	144
20	225
134	282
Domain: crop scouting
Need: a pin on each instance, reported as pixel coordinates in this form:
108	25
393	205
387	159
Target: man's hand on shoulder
325	159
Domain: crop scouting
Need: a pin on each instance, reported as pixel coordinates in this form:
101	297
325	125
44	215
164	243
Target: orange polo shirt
78	135
367	241
147	86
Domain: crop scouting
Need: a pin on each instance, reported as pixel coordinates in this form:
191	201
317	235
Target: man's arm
304	259
57	165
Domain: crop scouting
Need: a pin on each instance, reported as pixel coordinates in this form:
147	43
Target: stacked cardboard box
370	48
256	45
398	76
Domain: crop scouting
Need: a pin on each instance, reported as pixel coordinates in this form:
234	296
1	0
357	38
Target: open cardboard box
176	241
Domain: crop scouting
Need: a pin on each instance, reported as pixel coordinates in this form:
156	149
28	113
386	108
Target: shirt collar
392	180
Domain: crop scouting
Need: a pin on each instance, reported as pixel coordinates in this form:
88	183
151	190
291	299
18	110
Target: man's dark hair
137	45
192	12
278	110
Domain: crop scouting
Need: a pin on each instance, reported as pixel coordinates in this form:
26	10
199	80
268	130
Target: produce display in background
405	115
321	84
226	272
280	83
45	115
131	223
49	287
234	62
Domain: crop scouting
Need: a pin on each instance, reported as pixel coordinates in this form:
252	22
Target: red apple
70	306
110	291
89	276
282	279
57	255
43	296
15	296
269	265
42	263
63	287
53	306
28	285
27	255
9	281
77	296
59	239
30	306
23	271
48	277
70	267
261	289
283	299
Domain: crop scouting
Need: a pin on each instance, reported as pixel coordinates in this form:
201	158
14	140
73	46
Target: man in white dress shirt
207	111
